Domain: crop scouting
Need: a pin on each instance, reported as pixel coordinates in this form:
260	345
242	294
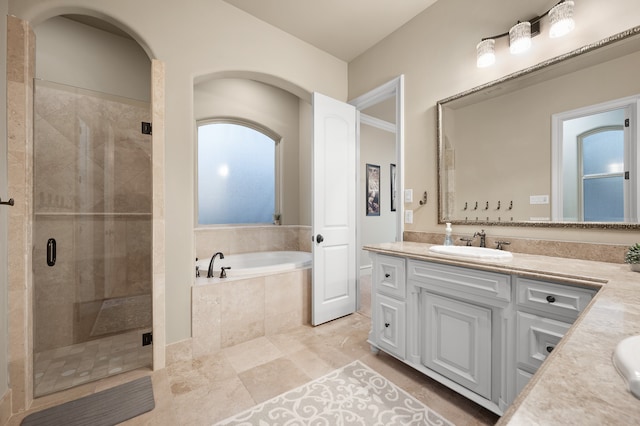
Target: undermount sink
474	252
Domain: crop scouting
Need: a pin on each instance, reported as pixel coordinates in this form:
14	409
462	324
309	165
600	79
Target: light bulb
561	19
486	55
520	37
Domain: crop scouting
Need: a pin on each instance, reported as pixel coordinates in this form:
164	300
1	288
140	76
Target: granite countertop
578	383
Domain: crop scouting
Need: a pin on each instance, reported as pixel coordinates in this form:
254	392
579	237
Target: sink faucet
483	236
210	271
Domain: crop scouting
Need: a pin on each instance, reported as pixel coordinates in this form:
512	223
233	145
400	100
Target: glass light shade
486	55
561	19
520	37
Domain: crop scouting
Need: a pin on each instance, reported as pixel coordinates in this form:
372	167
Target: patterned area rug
352	395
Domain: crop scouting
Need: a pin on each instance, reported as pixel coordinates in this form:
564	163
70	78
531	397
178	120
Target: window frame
278	165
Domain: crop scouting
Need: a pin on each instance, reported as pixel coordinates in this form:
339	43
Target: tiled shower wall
92	179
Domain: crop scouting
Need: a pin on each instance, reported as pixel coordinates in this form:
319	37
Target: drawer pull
549	348
386	324
387	275
551	299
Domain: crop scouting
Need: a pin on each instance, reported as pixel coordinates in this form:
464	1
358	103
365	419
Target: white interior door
334	209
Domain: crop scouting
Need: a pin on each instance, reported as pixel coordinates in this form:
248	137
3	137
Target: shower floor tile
62	368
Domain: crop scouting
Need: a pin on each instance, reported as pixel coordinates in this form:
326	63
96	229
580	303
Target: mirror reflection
554	144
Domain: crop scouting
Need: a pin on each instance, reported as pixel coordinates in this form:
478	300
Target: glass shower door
92	236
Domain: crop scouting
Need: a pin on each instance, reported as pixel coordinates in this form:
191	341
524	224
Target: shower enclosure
92	236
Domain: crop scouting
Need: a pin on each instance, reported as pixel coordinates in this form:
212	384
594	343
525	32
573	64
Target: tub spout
210	271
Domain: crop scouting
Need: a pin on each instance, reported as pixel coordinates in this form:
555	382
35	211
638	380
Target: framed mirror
502	146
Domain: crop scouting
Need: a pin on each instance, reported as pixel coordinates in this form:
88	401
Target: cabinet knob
387	275
551	299
549	348
386	324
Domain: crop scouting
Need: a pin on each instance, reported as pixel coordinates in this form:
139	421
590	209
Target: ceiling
343	28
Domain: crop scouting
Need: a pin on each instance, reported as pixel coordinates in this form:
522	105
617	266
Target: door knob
319	238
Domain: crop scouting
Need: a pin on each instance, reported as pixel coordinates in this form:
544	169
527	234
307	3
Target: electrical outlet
538	199
408	216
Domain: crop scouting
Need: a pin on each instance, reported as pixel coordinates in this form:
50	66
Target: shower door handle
51	252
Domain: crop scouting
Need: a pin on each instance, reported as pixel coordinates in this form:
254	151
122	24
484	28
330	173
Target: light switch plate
408	195
408	216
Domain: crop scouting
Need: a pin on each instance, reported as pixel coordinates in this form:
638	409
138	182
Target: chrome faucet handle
499	244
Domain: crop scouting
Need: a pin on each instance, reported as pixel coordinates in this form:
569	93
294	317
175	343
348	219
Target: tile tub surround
613	253
227	312
578	384
251	238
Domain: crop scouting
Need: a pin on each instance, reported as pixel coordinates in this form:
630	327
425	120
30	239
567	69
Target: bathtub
255	264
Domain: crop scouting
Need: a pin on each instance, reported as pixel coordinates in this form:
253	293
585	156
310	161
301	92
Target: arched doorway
92	201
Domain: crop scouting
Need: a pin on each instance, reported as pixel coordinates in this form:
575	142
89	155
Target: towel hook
10	202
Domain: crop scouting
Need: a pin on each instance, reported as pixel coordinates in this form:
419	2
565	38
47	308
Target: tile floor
62	368
212	388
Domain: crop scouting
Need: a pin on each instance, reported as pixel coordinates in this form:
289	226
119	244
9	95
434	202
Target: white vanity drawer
469	281
390	276
560	299
537	337
390	325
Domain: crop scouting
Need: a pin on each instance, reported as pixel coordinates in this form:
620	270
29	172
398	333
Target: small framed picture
373	190
394	188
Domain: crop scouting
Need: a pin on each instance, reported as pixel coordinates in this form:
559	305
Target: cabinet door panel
458	342
390	325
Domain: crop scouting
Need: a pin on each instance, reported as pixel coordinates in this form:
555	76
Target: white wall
75	54
436	53
268	106
194	39
377	147
4	338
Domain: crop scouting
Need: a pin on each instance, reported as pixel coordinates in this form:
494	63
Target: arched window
237	173
601	160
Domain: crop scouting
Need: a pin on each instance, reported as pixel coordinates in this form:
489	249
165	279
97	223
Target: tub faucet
210	271
483	236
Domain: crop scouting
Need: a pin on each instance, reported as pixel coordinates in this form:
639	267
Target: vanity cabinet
451	323
481	333
465	321
545	312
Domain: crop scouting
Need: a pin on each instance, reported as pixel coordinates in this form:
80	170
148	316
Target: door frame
392	88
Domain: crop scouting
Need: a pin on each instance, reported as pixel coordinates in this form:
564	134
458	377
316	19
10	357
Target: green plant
633	254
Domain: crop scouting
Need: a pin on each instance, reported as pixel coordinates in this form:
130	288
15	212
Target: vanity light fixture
486	52
560	23
561	19
520	37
